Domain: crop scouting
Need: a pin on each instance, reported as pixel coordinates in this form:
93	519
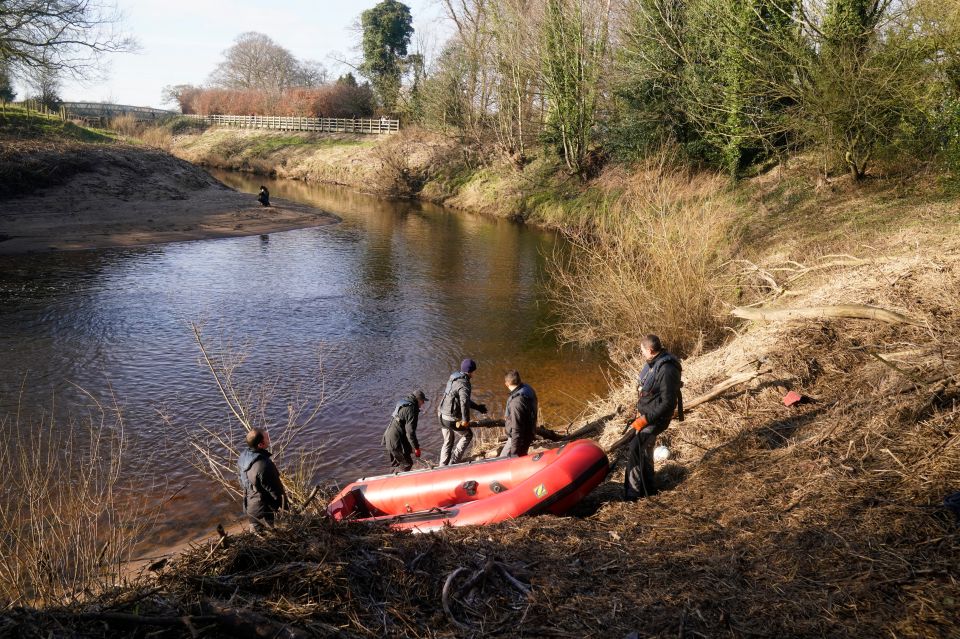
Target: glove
639	423
482	408
416	452
463	424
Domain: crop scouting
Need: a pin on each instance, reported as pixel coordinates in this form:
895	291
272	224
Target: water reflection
397	294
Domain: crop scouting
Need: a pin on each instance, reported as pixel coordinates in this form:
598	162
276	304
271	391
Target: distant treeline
257	76
327	101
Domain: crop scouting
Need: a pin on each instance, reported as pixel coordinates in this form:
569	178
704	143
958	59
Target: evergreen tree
387	29
649	107
347	80
7	94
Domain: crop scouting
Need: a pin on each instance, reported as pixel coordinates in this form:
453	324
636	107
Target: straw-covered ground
823	519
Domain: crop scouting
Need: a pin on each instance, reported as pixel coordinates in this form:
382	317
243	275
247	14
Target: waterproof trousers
400	459
515	448
639	479
455	442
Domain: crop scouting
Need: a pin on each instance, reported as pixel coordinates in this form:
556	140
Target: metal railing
105	112
294	123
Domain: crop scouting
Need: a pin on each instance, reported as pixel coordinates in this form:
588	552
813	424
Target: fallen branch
545	433
724	386
713	393
590	427
626	437
445	600
849	311
840	260
516	583
313	495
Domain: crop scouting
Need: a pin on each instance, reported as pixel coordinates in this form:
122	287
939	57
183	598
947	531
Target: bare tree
257	62
62	35
574	53
44	86
252	405
515	57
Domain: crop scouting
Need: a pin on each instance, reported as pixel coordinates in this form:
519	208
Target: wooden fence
283	123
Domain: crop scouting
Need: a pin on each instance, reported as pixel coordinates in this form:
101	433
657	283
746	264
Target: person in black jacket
264	196
520	416
454	414
263	492
400	438
658	393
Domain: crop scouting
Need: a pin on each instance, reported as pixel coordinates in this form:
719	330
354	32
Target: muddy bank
94	196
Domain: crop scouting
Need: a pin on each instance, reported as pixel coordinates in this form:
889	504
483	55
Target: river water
392	298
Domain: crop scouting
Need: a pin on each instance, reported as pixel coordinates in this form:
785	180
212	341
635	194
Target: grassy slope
818	520
38	150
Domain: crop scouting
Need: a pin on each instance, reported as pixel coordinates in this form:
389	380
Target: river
392	298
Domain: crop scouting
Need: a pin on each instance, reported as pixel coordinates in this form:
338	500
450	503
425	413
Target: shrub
652	263
126	124
157	136
69	513
330	101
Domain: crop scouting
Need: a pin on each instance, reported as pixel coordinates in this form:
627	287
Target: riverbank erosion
824	518
77	194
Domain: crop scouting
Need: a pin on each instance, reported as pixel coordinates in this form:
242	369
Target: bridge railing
294	123
102	110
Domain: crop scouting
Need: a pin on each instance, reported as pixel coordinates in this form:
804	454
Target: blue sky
181	41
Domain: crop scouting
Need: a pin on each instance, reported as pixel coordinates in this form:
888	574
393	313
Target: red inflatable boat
476	493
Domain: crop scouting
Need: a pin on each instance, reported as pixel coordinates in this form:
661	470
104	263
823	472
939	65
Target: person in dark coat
454	414
520	416
400	438
264	196
263	492
658	394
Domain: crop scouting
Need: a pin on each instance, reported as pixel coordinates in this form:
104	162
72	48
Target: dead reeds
653	262
71	508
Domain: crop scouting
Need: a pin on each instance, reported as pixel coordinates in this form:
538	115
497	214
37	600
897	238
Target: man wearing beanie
454	414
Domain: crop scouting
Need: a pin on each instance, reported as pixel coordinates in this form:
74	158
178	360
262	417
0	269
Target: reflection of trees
436	286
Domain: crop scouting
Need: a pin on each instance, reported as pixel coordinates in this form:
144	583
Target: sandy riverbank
128	196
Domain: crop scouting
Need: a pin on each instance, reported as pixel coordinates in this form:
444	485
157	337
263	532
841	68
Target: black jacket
520	416
263	492
658	389
456	404
401	434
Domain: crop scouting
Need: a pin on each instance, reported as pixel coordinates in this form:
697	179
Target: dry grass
70	508
158	137
652	262
126	124
396	165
